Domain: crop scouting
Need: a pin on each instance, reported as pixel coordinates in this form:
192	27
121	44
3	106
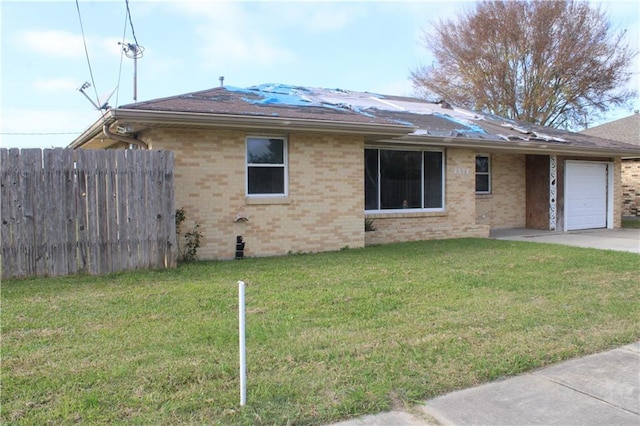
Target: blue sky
360	45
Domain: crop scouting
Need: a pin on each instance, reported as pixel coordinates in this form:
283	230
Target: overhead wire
133	32
86	52
38	133
127	16
93	83
131	50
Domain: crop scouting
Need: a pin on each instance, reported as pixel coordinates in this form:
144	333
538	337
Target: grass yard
329	336
631	223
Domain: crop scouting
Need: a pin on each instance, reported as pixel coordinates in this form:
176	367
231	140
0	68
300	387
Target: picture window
404	179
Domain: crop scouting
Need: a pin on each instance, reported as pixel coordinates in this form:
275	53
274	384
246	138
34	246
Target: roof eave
525	147
93	130
200	120
168	118
397	133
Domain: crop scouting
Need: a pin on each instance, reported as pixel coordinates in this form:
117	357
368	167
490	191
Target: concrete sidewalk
600	389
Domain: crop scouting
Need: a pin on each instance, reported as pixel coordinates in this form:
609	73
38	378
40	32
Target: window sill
403	215
267	200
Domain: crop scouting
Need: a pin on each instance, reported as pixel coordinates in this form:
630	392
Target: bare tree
554	63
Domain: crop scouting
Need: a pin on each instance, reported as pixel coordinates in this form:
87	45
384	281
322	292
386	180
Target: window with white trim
483	174
266	166
403	179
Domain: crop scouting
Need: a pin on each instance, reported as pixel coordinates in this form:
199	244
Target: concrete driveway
621	239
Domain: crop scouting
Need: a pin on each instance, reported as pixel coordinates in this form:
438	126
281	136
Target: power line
131	23
86	51
124	34
133	51
38	133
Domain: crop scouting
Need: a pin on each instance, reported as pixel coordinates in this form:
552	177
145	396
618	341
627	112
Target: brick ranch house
295	169
625	130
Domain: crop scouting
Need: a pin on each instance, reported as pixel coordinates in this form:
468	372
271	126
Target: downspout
122	138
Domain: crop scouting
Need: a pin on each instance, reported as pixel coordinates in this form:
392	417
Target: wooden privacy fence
92	211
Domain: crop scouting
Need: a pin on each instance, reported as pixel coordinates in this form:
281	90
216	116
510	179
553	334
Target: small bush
189	251
368	225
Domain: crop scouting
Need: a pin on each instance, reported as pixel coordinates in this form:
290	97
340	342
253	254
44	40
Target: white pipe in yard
243	347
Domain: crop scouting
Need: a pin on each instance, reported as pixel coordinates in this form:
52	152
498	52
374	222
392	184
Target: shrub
189	251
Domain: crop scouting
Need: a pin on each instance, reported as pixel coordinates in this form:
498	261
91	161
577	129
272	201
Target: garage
586	195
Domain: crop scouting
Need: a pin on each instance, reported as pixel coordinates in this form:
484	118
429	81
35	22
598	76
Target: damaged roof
410	118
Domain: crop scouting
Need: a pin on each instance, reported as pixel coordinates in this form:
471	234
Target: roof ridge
166	98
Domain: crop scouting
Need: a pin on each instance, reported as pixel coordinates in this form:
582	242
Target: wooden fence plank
112	199
122	249
70	196
56	256
134	210
23	174
31	175
146	227
82	214
89	166
39	212
60	196
125	187
154	215
18	215
7	194
112	212
168	258
140	214
102	212
16	212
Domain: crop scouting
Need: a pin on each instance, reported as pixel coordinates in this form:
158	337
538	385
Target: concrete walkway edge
598	389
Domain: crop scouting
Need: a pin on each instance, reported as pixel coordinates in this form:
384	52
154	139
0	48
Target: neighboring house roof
623	130
377	117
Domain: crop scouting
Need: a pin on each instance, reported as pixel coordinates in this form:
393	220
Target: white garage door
585	195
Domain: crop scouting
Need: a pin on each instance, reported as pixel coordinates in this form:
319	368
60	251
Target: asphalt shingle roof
421	117
623	130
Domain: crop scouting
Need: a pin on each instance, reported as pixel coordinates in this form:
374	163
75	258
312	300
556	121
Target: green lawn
329	336
631	223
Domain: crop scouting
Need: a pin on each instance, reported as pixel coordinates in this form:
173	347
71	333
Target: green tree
554	63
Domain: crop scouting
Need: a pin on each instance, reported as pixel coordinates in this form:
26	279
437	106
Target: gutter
377	133
102	125
169	118
150	118
90	133
127	139
514	146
